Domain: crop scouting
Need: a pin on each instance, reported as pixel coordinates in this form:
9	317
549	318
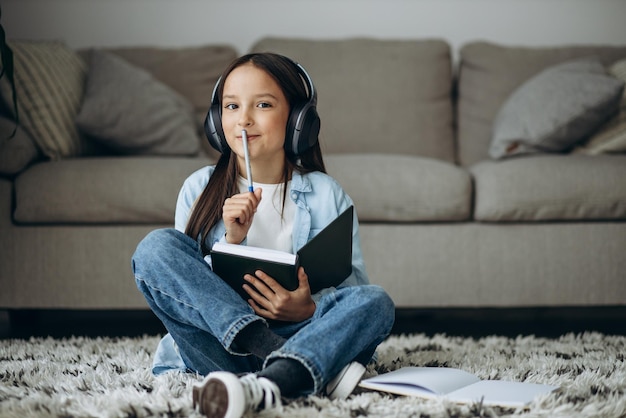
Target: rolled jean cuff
315	373
229	339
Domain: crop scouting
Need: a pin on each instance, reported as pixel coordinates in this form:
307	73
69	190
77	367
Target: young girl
278	343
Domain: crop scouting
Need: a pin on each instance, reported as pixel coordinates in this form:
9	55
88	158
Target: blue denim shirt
319	200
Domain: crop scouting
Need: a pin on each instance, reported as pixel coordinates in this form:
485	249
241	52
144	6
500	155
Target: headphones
303	124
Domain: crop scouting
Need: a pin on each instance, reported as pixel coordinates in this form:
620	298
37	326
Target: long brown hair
207	210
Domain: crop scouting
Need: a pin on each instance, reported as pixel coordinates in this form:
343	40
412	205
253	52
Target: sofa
417	134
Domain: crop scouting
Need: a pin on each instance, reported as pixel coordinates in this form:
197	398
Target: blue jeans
203	315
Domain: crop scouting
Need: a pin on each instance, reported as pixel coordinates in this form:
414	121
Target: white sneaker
344	383
225	395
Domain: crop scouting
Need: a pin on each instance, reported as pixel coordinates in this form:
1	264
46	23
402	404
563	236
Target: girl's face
253	101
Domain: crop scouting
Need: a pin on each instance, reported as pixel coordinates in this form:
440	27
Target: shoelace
260	389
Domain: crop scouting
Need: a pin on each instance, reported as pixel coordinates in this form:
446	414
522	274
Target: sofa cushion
401	188
128	110
49	82
190	71
129	190
489	73
556	109
611	138
378	96
551	188
16	152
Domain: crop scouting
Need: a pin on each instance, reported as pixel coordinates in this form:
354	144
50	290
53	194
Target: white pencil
244	139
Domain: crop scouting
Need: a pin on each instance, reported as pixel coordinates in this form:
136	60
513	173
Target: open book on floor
327	259
456	385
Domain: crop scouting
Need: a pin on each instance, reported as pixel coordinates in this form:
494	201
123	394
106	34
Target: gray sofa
405	129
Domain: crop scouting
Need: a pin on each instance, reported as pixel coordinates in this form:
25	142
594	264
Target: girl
278	343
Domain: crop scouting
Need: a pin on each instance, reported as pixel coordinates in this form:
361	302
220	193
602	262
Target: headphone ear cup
213	129
302	129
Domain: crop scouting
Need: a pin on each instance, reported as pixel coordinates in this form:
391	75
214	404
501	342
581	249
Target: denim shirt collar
300	183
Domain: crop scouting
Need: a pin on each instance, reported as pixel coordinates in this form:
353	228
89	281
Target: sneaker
344	383
224	395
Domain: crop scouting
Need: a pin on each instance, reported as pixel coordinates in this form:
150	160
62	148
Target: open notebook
456	385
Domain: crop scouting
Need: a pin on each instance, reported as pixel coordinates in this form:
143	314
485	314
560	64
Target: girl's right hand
238	212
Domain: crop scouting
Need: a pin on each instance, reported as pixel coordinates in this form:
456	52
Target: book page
255	252
421	381
500	393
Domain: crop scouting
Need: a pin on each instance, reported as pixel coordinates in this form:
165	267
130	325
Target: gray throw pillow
555	109
611	137
130	111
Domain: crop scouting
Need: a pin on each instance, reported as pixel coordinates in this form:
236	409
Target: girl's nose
245	119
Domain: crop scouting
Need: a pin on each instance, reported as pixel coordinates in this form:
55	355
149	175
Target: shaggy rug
110	377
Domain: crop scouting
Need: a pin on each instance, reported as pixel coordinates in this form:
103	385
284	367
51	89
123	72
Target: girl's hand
238	212
272	301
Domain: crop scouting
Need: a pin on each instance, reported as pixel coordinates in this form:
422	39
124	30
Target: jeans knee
370	296
156	246
159	242
385	308
150	245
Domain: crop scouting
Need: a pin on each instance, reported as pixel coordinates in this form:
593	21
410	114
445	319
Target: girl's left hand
272	301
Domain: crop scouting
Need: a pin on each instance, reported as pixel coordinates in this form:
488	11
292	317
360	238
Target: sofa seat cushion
551	188
400	188
132	190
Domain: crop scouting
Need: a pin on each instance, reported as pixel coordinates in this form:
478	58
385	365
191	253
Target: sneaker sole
347	382
212	399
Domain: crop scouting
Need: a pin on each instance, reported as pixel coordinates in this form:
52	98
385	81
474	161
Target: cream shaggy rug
108	377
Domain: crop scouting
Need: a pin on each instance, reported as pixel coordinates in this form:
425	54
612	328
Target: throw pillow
49	83
611	138
555	109
16	152
128	110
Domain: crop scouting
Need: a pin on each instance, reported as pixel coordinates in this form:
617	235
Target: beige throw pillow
611	138
49	82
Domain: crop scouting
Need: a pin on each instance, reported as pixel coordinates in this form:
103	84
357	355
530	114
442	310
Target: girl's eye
264	105
230	106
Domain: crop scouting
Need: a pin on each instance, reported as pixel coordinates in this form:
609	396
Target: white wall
241	22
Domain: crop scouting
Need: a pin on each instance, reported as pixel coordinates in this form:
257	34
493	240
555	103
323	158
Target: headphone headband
303	124
310	86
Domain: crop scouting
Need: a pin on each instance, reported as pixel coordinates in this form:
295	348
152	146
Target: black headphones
303	125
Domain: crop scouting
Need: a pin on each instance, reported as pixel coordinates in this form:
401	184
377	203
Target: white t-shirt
272	227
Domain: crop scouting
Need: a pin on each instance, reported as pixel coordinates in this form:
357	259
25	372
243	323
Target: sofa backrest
489	73
378	96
